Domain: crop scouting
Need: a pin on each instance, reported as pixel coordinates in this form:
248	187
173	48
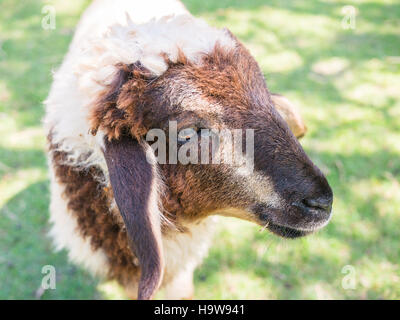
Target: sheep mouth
286	232
287	223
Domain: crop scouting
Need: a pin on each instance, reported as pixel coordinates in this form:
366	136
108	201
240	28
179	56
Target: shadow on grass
370	11
30	54
25	249
12	160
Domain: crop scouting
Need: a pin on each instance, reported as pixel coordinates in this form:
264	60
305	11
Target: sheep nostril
319	204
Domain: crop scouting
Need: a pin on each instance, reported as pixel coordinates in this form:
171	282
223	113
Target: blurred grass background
347	84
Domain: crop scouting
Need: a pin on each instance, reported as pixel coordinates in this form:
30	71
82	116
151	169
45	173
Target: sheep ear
134	182
291	114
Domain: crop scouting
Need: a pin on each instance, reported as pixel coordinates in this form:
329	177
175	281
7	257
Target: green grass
346	83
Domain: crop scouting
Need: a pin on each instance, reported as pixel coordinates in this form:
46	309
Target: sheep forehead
224	81
168	36
189	97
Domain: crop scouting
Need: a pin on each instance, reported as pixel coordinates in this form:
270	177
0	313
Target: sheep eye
186	134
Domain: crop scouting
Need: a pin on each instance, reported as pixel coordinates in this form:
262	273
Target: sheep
135	66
